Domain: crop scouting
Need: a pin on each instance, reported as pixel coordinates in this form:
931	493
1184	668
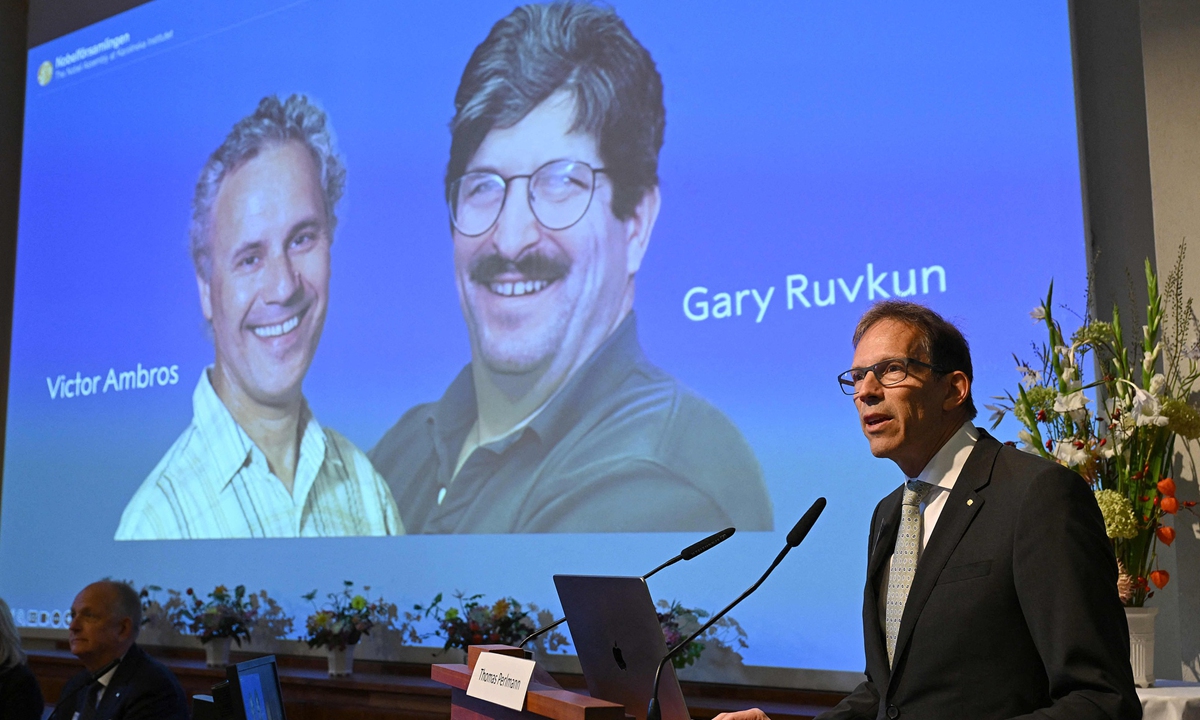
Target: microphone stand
687	553
794	538
654	712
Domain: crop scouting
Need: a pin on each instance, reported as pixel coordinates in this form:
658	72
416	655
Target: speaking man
119	680
254	462
560	423
991	586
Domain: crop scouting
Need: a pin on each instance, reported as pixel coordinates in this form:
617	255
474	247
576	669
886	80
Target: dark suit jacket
1013	610
141	689
20	694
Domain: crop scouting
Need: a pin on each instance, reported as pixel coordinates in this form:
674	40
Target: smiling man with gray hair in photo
254	462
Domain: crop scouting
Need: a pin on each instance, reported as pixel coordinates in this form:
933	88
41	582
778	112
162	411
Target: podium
544	700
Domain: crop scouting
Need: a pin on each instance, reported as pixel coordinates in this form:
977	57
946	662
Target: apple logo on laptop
618	656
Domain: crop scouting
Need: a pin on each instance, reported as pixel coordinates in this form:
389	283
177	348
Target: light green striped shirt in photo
215	483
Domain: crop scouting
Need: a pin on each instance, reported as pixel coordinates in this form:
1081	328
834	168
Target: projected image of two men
559	423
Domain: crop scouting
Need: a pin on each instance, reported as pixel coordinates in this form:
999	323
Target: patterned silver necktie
904	559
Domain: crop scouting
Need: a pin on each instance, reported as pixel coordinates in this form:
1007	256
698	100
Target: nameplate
501	679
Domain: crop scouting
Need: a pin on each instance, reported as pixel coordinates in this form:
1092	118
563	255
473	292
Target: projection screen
456	296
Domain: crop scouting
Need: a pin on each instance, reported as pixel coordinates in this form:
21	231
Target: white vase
1141	644
341	662
216	651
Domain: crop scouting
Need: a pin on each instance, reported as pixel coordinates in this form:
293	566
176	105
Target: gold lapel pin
970	502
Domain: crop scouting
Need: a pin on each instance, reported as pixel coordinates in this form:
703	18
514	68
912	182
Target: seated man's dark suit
1013	610
141	689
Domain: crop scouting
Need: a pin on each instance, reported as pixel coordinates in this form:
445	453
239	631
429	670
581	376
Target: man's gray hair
10	642
587	50
271	124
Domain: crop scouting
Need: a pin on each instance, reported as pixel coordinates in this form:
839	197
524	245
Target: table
1170	700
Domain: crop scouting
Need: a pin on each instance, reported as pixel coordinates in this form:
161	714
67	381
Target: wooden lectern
542	701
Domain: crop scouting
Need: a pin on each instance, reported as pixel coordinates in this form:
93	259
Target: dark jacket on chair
141	689
1013	611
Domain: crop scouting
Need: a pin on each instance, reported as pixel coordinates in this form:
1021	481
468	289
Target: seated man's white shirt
942	472
214	482
104	680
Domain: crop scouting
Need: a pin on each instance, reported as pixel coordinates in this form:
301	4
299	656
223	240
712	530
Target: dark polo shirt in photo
622	447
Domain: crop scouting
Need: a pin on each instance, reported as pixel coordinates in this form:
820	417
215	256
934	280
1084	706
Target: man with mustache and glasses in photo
254	462
560	423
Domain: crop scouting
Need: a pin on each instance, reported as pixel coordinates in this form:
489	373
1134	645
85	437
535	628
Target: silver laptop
616	633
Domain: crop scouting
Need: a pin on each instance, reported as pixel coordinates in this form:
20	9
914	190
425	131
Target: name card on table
501	679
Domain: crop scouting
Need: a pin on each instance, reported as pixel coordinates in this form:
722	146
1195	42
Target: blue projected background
829	140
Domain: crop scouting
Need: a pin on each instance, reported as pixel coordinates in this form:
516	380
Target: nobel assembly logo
45	73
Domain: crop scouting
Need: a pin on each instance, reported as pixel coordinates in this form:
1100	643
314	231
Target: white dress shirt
216	483
941	472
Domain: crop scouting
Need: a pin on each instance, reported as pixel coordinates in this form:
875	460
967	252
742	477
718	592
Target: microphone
687	553
695	549
794	538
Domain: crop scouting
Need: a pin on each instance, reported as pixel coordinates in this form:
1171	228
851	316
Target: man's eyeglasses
559	195
887	372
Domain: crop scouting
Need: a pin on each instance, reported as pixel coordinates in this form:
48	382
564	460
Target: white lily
1074	405
1146	408
1150	358
1038	313
1070	375
1067	454
1029	376
1027	442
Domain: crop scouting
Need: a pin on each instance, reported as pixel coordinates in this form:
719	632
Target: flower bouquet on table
342	621
221	619
1123	442
679	622
505	622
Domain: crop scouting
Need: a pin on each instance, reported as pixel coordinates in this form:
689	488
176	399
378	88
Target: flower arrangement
679	622
473	622
222	615
1124	444
345	618
264	617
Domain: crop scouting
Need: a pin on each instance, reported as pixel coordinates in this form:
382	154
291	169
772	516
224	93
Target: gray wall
1170	32
1137	68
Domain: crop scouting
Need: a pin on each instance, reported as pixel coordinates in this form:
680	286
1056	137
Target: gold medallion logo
45	73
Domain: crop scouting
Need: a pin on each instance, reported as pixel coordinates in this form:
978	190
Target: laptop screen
256	689
616	633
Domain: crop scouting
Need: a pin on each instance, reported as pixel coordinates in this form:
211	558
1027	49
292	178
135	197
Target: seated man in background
119	680
560	423
254	462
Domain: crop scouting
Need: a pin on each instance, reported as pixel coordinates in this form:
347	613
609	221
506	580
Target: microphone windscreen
707	543
796	536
